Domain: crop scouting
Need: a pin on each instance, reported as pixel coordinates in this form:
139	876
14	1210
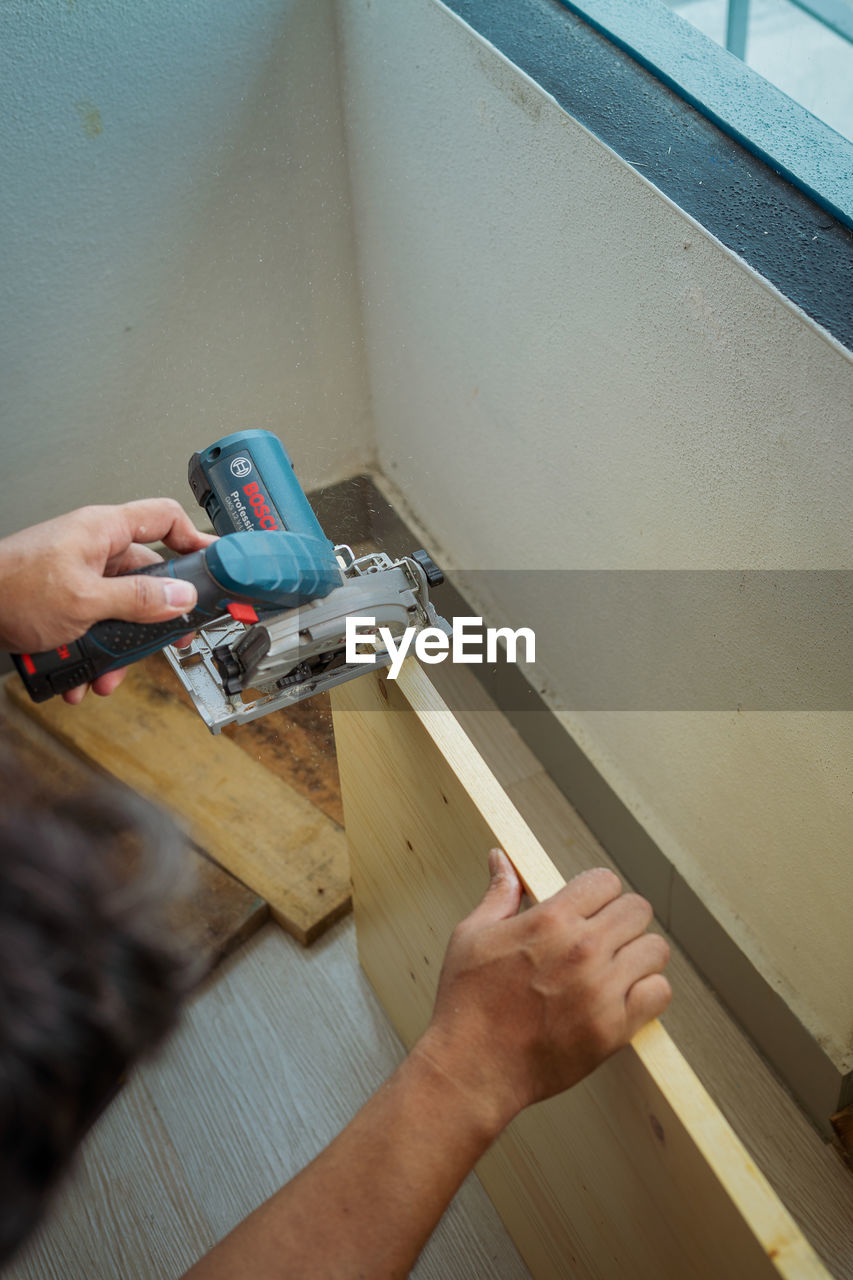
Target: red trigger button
242	612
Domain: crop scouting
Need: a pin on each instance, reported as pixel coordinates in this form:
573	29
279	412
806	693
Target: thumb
138	597
503	896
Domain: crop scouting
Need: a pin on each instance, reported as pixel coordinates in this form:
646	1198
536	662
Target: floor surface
271	1060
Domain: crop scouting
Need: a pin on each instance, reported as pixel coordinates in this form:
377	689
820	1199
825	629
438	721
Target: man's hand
59	578
530	1003
527	1005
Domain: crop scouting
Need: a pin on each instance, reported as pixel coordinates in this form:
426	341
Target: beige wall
177	256
567	372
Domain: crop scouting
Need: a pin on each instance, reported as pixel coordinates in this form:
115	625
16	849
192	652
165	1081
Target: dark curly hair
91	975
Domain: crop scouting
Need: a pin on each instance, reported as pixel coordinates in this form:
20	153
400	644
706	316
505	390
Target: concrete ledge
715	167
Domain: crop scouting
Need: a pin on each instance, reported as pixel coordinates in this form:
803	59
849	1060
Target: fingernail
496	862
179	594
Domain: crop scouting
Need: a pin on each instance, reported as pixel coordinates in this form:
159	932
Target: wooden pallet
214	916
634	1174
262	804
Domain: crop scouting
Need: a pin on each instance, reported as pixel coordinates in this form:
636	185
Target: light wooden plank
804	1171
501	746
296	744
635	1172
219	914
245	817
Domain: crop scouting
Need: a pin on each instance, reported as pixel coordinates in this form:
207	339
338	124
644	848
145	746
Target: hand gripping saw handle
272	554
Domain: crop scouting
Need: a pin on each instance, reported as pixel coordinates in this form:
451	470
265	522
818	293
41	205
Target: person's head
90	973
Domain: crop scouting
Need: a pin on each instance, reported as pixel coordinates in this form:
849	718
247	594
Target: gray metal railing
835	14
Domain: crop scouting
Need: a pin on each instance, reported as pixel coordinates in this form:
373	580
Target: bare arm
527	1005
367	1204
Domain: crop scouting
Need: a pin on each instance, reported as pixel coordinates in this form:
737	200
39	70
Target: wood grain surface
635	1173
235	804
215	914
296	745
803	1169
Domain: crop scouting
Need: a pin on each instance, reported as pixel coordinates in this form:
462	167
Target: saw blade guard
235	673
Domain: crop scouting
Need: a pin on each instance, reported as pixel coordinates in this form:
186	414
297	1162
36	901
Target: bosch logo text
257	500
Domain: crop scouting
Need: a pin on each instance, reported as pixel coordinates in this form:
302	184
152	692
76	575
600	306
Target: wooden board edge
309	934
761	1209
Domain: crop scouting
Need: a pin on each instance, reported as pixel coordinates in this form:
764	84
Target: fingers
648	953
106	684
623	919
503	896
647	999
155	520
620	921
140	598
647	992
589	892
76	695
136	556
101	685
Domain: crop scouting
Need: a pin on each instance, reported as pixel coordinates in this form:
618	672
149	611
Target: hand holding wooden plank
528	1004
634	1171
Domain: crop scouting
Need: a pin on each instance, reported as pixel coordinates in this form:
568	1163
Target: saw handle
280	569
114	643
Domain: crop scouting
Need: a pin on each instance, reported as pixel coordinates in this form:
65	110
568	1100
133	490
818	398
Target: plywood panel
632	1174
803	1170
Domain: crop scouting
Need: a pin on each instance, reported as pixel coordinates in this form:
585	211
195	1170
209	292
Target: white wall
567	372
177	258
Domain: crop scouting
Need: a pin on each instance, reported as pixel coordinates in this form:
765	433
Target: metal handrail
835	14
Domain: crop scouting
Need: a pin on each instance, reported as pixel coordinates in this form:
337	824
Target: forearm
11	570
367	1204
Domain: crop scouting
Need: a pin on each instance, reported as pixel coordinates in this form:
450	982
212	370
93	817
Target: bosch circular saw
274	596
